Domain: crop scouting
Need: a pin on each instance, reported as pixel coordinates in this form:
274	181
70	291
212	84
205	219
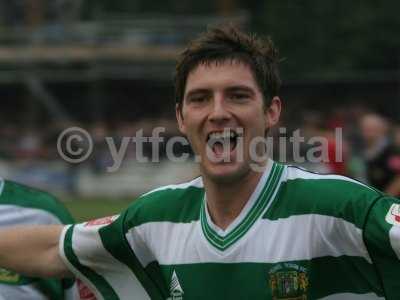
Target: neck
225	201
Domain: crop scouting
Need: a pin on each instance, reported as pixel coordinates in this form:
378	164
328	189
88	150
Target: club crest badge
393	215
288	281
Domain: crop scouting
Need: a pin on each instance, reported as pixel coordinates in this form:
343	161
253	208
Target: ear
273	112
179	118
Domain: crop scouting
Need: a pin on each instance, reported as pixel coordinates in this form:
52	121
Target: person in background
23	205
380	154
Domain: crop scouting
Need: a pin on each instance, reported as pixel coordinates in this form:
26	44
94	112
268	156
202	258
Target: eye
199	98
239	96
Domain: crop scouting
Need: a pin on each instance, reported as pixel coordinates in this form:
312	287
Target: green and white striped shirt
300	236
22	205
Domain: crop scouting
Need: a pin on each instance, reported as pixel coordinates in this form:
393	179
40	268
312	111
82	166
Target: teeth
222	135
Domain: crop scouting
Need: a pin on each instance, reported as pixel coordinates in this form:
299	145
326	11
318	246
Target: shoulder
325	184
173	203
303	192
20	195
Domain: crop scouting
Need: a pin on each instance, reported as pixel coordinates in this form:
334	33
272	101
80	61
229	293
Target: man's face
222	113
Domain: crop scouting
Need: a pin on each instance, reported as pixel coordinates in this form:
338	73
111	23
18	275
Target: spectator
381	156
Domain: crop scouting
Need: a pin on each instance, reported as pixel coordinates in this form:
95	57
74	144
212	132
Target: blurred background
107	66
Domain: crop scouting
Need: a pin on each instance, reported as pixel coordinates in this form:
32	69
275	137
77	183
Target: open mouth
223	142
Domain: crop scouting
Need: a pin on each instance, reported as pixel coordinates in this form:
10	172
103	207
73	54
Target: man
22	205
248	228
381	155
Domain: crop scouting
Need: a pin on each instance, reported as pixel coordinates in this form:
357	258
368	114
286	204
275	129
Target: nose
219	112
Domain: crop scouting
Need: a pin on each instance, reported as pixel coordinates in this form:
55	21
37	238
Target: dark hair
226	42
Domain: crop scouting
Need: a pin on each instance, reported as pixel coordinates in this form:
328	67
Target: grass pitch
88	209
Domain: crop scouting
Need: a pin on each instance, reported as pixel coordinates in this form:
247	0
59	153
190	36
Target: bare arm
32	251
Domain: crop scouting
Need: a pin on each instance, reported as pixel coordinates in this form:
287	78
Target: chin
225	173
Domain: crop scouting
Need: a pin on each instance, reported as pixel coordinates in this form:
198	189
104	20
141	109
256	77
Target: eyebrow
234	88
240	88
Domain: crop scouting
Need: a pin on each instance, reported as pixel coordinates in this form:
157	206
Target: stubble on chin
229	178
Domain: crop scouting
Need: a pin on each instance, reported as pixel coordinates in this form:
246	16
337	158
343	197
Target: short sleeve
382	237
98	253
